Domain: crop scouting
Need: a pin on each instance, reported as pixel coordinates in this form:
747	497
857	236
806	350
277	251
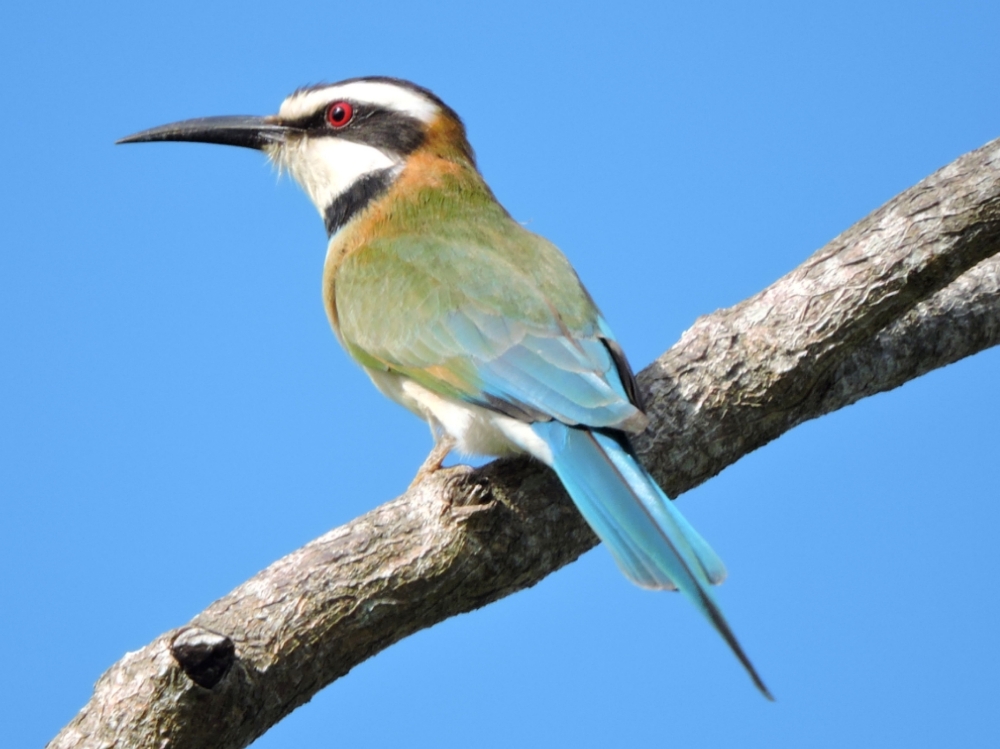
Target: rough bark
912	287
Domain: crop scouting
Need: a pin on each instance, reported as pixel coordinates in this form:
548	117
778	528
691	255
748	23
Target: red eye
339	114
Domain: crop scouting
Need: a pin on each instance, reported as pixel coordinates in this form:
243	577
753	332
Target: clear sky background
175	413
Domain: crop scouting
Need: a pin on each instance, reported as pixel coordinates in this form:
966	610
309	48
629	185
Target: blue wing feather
569	379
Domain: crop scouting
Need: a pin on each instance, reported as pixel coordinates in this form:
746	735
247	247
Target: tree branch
912	287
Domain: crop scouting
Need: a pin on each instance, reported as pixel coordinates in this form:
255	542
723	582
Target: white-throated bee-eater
468	319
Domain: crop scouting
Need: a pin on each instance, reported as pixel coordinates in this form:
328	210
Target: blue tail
649	539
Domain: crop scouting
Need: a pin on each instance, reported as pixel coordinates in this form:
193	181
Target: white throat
327	167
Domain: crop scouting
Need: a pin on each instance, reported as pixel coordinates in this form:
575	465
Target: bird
461	314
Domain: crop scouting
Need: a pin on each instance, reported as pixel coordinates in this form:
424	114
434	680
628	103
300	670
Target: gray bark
913	286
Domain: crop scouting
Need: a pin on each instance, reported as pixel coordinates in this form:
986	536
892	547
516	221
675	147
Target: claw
432	463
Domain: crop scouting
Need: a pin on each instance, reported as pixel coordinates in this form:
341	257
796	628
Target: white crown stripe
305	103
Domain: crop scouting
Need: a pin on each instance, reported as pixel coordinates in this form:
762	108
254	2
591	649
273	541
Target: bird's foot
434	459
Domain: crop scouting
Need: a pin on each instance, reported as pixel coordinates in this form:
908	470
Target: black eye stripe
381	128
310	122
385	129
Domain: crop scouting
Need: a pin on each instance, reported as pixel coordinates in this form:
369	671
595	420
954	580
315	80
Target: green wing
492	317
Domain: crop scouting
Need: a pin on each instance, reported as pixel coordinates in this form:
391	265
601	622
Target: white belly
476	430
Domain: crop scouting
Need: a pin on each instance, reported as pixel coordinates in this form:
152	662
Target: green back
461	298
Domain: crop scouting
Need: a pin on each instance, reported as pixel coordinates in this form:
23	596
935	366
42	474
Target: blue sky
175	413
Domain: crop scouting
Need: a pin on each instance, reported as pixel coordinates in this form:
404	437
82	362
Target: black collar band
350	202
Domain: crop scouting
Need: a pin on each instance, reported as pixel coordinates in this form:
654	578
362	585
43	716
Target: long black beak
236	130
